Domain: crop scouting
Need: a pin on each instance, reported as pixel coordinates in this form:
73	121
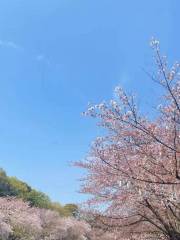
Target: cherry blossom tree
21	222
134	169
56	227
18	219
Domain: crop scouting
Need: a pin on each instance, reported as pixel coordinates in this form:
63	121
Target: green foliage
71	209
11	186
38	199
6	189
20	188
55	206
67	210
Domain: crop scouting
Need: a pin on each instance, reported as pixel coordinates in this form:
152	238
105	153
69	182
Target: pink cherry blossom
134	171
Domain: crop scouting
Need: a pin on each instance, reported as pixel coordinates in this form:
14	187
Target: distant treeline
11	186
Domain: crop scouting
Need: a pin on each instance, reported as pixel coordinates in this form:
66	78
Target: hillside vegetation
13	187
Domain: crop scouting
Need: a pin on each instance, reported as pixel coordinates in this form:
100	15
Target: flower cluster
20	221
134	170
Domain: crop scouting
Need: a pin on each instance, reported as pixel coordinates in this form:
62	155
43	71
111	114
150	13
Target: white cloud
12	45
9	44
42	58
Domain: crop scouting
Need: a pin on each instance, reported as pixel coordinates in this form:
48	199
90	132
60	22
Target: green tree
71	209
38	199
5	187
21	188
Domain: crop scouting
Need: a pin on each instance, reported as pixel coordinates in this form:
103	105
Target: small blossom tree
21	222
134	170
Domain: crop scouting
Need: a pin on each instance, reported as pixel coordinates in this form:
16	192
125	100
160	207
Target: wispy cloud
42	58
13	45
10	44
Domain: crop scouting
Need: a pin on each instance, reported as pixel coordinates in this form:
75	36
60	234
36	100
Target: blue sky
55	57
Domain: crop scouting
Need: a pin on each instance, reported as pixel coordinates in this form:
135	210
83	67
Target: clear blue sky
55	57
